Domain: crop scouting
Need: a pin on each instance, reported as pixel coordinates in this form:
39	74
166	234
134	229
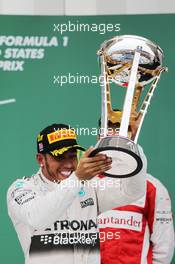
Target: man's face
58	168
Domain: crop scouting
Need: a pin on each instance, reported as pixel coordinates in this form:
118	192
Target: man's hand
89	167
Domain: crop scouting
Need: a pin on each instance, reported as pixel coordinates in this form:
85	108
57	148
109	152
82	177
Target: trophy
134	63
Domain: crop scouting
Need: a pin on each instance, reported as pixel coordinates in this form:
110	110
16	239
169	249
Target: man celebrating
54	212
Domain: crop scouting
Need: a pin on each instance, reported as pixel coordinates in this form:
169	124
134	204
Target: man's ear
40	159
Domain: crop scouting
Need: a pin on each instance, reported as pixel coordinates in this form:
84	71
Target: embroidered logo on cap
61	135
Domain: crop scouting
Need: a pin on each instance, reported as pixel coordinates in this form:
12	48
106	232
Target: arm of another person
162	236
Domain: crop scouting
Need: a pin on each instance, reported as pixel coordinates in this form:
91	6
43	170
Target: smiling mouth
65	174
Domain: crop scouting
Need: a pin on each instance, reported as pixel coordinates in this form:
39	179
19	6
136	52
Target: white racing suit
56	223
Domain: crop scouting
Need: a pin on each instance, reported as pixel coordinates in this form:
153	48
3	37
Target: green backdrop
40	100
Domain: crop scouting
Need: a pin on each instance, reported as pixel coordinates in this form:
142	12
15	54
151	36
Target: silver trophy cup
131	62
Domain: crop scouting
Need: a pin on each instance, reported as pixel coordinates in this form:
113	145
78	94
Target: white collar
49	183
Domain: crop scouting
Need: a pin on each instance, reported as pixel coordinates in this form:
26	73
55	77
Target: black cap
57	139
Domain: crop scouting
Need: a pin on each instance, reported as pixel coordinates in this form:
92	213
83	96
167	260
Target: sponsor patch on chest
24	196
120	219
87	202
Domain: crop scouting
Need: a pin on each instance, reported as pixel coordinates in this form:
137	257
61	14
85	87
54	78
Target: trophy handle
137	121
128	103
104	99
134	120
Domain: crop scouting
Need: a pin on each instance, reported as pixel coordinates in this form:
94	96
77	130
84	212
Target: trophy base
126	161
